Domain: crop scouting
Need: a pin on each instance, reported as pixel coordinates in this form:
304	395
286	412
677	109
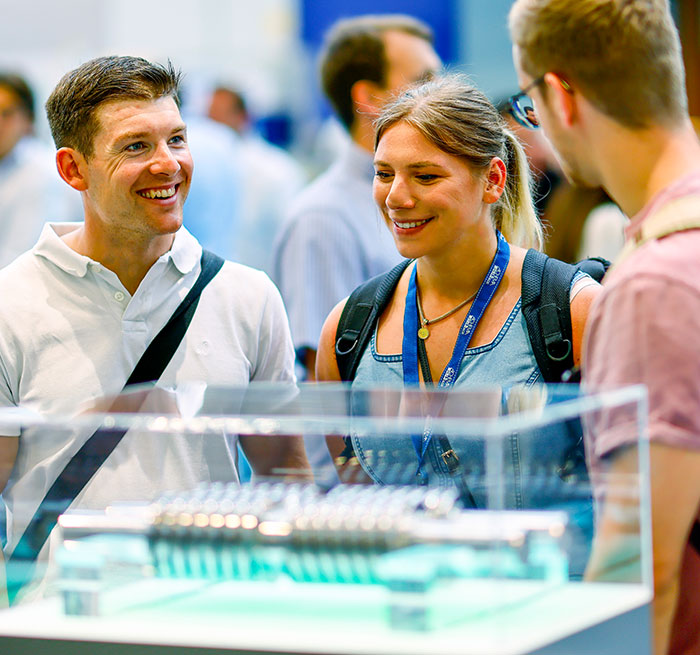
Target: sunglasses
521	107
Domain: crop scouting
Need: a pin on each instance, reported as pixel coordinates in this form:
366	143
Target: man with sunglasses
605	80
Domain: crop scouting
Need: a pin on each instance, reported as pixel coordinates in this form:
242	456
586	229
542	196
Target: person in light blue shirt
271	179
214	204
31	191
334	239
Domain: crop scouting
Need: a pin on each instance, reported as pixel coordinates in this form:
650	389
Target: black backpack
546	283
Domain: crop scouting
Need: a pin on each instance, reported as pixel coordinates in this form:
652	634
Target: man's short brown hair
72	106
624	55
354	50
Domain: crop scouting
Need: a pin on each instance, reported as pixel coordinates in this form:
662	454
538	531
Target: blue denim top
391	459
531	474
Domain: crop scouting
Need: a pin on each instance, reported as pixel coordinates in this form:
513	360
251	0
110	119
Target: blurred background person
31	191
214	207
603	233
333	239
271	178
546	174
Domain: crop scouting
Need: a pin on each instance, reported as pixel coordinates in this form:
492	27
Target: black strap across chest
95	451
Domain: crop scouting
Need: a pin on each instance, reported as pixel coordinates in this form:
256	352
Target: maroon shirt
644	328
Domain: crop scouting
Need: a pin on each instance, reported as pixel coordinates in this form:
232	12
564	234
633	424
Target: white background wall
253	43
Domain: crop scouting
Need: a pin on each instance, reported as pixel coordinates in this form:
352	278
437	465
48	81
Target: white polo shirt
70	333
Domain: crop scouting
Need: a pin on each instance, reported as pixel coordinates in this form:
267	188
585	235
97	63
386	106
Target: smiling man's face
140	170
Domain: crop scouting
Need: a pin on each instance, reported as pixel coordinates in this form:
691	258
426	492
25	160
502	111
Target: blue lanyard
410	333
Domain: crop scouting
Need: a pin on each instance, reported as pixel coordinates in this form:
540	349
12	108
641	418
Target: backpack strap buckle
451	460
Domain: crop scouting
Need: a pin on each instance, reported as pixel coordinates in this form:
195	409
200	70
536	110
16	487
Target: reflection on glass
386	542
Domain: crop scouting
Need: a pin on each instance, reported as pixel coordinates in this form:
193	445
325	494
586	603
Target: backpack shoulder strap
360	315
677	215
546	284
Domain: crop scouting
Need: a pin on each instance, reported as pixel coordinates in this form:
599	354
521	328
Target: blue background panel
318	15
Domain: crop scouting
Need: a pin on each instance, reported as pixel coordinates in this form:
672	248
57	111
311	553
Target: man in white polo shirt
79	310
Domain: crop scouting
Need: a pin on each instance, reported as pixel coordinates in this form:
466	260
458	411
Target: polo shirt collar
184	253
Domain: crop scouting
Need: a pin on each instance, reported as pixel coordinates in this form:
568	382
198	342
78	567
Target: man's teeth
158	193
406	226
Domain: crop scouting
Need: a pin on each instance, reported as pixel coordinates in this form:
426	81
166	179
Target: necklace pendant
423	333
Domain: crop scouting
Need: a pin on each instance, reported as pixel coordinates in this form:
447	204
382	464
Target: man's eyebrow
128	136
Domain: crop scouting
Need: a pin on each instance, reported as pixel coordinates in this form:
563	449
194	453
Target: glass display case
327	519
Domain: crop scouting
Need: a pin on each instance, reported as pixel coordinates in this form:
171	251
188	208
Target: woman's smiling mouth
407	225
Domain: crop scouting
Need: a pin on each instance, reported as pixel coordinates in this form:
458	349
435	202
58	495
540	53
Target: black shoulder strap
93	453
546	284
546	287
360	315
165	343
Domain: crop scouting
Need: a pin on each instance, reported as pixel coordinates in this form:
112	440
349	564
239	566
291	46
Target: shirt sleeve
319	263
8	403
644	330
275	353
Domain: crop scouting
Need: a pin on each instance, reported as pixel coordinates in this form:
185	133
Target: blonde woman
453	186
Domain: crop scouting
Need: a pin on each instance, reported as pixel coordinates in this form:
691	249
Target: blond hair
460	120
624	55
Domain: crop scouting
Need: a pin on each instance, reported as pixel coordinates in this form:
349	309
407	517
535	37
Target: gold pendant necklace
423	332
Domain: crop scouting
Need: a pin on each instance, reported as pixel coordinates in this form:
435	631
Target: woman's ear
495	181
563	98
72	167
